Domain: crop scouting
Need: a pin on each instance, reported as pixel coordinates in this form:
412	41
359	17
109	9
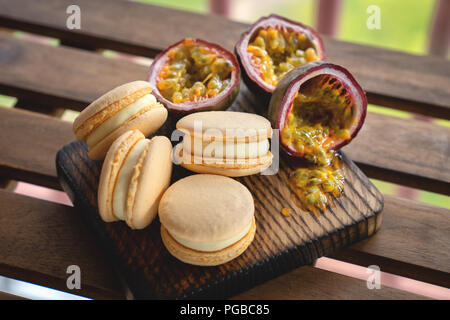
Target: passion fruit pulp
195	75
272	47
317	107
315	184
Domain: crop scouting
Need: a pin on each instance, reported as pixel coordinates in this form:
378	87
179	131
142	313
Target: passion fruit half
195	75
272	47
318	107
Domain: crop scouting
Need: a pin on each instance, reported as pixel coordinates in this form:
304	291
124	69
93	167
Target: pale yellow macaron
134	176
224	142
127	107
206	219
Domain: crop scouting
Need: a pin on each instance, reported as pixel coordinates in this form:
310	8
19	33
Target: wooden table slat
39	240
392	78
29	142
310	283
414	238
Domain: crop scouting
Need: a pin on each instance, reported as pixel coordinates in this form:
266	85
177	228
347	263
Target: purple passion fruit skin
318	108
195	75
273	46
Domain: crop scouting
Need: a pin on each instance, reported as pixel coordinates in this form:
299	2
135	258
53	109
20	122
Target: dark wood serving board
281	243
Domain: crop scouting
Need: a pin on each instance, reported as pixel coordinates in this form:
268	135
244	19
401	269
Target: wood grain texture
391	78
415	239
310	283
40	239
7	296
297	284
26	220
29	142
403	151
281	244
32	106
421	149
40	73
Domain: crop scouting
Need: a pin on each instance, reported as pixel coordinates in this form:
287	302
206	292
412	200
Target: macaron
207	220
134	176
127	107
227	143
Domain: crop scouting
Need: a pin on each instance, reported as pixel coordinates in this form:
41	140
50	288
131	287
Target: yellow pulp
286	212
193	73
276	51
315	184
321	113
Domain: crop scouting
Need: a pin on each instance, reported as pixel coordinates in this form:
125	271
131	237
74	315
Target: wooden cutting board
281	243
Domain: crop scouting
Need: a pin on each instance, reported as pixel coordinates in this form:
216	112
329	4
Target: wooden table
39	239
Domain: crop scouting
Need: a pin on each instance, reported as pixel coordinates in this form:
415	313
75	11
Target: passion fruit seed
321	112
326	112
276	51
315	184
317	116
193	73
286	212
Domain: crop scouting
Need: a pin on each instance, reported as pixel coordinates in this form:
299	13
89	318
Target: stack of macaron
228	143
206	219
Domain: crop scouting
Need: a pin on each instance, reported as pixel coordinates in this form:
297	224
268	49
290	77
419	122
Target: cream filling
226	150
215	245
124	177
120	117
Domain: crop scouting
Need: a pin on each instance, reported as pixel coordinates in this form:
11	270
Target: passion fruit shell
317	105
252	72
187	73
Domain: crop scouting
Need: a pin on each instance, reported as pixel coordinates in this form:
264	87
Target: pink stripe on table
387	279
43	193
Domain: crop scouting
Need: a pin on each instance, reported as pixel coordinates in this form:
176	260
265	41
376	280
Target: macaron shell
201	258
198	168
109	98
233	169
115	157
242	125
153	179
206	208
147	123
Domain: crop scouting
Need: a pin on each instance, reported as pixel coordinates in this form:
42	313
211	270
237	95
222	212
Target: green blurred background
405	26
